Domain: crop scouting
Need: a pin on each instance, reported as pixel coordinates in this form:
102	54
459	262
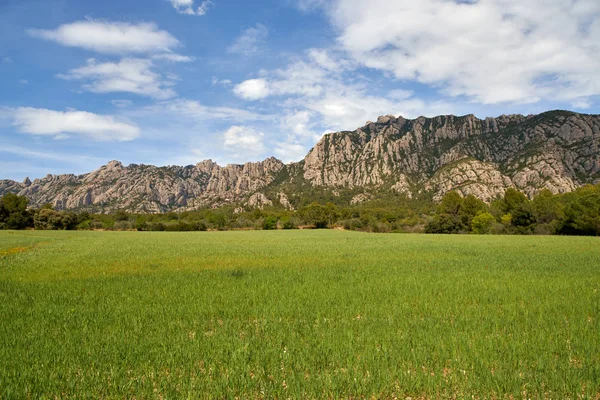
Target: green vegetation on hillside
575	213
297	314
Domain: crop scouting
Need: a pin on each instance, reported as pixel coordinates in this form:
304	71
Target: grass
297	314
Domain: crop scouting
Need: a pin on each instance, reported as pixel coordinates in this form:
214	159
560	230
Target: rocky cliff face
557	150
145	188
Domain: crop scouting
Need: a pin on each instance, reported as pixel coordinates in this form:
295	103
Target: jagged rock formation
146	188
284	201
259	200
557	150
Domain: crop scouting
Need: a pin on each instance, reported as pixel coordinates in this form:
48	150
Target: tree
48	219
14	213
547	208
512	199
450	203
582	212
482	224
269	223
523	218
471	207
443	223
317	215
447	218
121	215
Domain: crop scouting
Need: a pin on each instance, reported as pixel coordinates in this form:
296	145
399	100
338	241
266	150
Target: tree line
575	213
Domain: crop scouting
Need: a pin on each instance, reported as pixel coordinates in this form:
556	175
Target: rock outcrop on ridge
557	150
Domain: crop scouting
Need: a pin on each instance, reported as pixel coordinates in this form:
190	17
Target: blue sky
178	81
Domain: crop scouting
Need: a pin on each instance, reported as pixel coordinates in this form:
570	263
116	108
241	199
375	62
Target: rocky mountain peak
556	150
114	165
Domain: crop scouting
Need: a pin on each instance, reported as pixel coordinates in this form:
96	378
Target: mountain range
556	150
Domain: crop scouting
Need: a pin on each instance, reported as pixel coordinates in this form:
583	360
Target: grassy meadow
297	314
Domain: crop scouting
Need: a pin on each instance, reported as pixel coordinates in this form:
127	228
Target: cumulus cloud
188	7
490	51
336	98
39	121
250	41
131	75
110	37
243	143
306	78
252	89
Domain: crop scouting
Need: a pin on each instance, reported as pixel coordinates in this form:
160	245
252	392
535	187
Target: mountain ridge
556	150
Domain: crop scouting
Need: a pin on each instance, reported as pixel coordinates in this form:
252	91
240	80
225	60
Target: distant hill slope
557	150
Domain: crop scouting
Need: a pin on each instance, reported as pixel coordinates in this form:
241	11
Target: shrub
122	226
269	223
48	219
483	223
289	223
95	224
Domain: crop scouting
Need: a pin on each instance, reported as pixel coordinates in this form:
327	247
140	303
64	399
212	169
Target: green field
297	314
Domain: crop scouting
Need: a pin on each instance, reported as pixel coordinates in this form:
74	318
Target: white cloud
24	81
351	108
173	57
222	82
121	103
252	89
250	41
203	8
132	75
110	37
299	126
310	5
30	153
39	121
289	152
188	7
198	112
491	51
326	90
301	78
243	143
188	156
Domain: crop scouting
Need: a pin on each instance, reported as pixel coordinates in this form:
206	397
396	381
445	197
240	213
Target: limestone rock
361	198
402	186
468	176
148	189
557	150
259	200
284	201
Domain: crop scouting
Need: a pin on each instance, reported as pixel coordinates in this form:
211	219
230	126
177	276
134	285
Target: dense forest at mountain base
575	213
